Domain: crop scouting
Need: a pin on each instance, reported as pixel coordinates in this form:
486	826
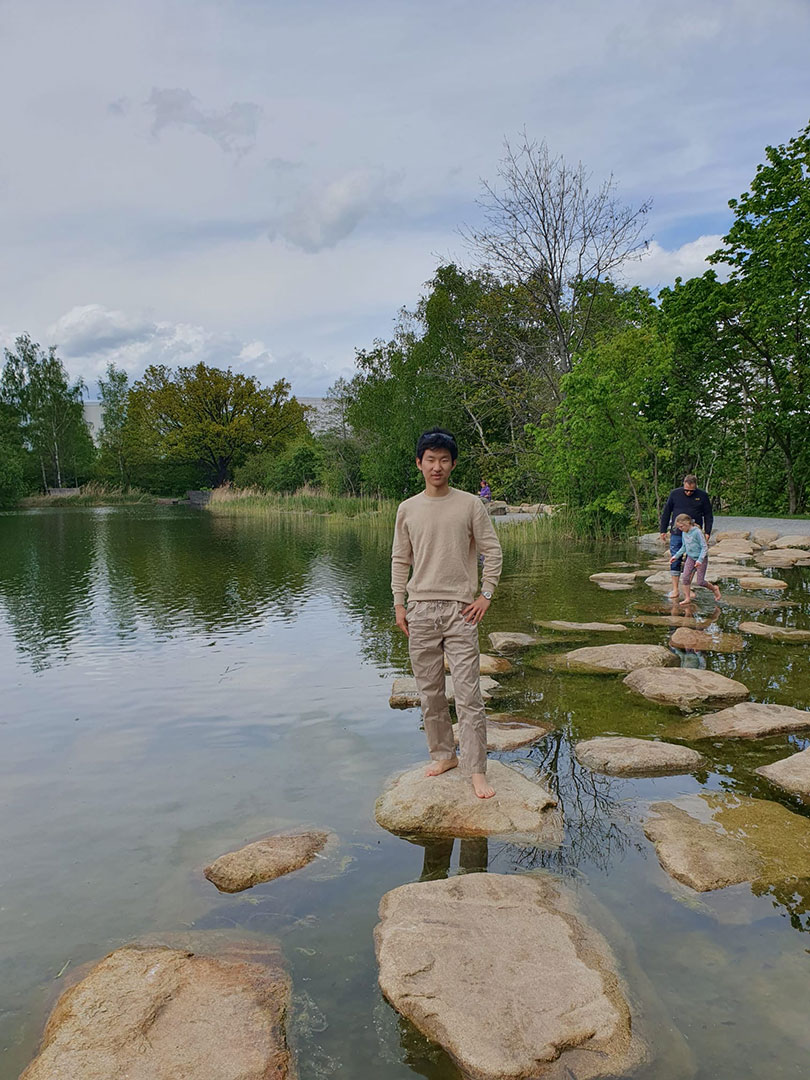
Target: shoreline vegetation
95	494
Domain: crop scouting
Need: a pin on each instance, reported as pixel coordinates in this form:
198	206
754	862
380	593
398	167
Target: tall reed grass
308	501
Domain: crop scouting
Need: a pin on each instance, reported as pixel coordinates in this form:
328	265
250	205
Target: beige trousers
436	630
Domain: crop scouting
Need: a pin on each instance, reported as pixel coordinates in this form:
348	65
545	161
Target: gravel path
784	526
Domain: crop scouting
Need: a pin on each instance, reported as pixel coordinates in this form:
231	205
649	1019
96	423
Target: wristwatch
486	595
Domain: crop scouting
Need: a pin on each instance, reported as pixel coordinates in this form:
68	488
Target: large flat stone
265	860
740	602
405	695
503	641
503	972
613	577
709	841
776	633
165	1014
508	735
562	624
781	559
702	641
791	773
792	540
665	620
731	534
749	582
614	658
752	720
620	755
613	586
764	537
446	805
684	687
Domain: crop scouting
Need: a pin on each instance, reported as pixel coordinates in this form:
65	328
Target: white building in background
91	410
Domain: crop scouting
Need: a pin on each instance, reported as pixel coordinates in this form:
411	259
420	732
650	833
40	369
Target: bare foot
438	767
673	595
717	593
480	786
688	600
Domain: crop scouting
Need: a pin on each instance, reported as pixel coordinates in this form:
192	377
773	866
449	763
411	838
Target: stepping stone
665	620
776	633
711	841
764	537
502	736
503	972
152	1012
613	658
489	665
753	603
561	624
752	720
620	565
791	773
660	577
732	547
611	586
762	583
781	560
446	805
701	641
793	540
731	534
611	578
264	860
404	694
505	642
684	687
619	755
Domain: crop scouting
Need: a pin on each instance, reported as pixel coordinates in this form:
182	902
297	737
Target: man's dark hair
437	439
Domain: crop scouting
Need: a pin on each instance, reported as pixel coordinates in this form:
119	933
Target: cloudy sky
264	183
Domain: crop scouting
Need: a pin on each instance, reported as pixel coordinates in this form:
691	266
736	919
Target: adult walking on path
691	500
440	533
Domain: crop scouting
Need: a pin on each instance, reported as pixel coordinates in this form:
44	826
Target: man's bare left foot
480	786
438	767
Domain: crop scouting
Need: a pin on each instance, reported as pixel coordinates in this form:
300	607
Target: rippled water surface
174	684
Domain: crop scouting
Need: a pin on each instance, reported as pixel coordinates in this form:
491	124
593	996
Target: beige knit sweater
441	538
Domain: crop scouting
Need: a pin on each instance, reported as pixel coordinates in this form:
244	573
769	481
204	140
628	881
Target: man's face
689	489
436	466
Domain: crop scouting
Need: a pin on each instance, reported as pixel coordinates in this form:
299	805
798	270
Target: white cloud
659	267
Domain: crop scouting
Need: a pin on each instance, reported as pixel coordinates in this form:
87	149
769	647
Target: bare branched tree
546	230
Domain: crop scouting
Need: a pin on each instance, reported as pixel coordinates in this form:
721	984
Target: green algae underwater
177	683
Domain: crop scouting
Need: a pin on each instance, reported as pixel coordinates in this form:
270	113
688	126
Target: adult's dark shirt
697	505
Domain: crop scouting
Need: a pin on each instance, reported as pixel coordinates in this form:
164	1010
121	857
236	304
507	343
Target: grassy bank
94	494
252	502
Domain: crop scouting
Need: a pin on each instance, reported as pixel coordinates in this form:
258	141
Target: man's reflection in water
473	856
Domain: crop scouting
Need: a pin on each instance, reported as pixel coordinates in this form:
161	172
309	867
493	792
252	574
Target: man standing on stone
691	500
440	533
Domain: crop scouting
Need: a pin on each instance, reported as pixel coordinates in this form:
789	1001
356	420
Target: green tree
208	418
48	409
114	392
766	315
12	457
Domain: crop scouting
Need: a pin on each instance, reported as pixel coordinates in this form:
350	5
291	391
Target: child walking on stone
694	546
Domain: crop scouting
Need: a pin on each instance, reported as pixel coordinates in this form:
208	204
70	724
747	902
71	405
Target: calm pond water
175	684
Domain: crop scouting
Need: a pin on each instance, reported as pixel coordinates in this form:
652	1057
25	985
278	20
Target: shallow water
175	684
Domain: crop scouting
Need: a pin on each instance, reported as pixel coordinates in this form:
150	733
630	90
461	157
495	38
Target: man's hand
474	612
663	538
401	617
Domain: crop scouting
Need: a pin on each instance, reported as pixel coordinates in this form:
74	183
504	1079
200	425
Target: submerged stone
751	720
791	773
612	586
506	976
709	841
509	735
446	805
701	641
502	641
562	624
489	665
151	1013
405	695
610	577
665	620
753	603
265	860
776	633
620	755
613	658
684	687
